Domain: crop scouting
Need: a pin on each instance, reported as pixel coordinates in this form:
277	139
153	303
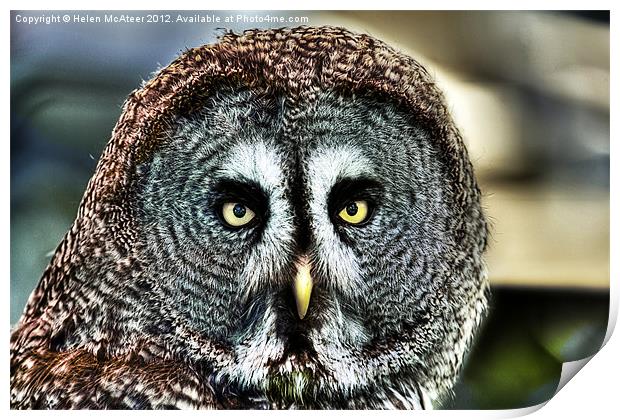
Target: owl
286	218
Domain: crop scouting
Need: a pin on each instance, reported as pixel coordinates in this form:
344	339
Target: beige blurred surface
543	237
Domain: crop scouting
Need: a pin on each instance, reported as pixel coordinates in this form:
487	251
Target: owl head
290	212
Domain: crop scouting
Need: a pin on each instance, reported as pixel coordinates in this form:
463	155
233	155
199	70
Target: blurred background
529	90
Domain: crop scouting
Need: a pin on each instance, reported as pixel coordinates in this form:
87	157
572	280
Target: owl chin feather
290	388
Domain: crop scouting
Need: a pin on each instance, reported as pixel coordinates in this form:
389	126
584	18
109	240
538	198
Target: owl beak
302	287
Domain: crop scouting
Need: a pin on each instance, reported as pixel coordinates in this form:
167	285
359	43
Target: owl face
319	246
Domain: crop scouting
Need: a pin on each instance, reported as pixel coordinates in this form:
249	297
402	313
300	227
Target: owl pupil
352	209
239	210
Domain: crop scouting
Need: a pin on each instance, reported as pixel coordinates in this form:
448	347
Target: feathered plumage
154	300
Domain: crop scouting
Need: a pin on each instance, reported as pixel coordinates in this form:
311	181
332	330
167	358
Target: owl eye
355	212
237	214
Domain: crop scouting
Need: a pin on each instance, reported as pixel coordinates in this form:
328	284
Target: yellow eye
355	212
237	214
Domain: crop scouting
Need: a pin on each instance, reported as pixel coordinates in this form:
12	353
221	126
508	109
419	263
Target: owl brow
245	191
348	189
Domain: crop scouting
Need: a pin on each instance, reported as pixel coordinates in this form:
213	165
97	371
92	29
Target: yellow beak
302	287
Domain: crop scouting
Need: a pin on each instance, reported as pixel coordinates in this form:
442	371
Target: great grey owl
287	218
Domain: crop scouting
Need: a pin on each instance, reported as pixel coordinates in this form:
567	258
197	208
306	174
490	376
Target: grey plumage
167	305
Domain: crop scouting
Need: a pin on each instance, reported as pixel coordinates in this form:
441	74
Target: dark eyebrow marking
247	192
